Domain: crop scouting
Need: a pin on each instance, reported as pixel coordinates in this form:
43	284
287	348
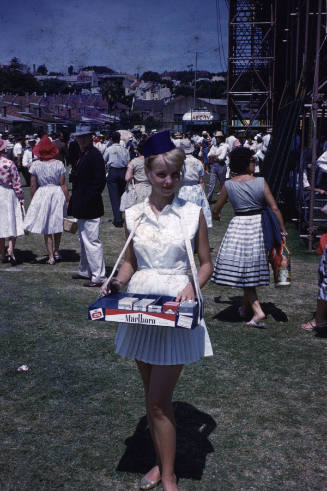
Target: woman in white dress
11	202
192	188
157	263
49	197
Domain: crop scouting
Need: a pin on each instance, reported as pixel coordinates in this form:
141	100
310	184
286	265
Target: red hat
45	149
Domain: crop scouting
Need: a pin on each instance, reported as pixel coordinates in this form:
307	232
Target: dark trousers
116	186
26	174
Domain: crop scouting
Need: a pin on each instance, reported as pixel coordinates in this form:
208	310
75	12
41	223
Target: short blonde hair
174	156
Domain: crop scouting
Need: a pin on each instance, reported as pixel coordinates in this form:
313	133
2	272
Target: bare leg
57	239
49	245
145	371
2	250
162	383
321	313
250	297
11	246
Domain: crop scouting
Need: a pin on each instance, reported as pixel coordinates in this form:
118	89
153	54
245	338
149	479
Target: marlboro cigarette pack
154	310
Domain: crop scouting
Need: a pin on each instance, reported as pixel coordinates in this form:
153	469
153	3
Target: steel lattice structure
251	63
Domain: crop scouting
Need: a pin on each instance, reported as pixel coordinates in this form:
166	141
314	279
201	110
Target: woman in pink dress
11	203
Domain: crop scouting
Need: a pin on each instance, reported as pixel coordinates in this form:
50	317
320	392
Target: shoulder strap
130	237
193	268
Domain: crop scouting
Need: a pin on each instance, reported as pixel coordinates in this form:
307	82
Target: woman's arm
64	187
126	270
273	205
129	174
203	249
201	182
219	204
33	185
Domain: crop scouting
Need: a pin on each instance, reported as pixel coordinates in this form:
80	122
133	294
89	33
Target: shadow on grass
231	314
193	428
24	256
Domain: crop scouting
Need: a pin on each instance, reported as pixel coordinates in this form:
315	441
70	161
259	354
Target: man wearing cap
218	168
86	204
116	158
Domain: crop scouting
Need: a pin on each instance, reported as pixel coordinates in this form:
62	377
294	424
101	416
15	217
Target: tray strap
193	269
190	257
130	237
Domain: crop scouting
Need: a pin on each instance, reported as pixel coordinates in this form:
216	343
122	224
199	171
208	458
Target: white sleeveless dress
48	206
162	270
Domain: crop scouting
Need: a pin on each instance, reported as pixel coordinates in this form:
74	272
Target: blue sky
132	36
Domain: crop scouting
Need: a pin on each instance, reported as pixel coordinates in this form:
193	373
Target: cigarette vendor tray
152	310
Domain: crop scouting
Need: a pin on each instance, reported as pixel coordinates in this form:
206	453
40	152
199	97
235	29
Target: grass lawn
252	417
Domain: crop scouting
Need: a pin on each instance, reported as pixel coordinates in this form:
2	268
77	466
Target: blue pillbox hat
157	144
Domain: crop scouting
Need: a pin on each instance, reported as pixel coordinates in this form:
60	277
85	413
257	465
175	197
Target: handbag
271	230
280	260
70	225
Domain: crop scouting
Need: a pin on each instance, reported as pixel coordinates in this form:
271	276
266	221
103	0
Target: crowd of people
124	173
157	191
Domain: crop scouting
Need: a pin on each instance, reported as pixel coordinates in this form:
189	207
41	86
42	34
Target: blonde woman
157	263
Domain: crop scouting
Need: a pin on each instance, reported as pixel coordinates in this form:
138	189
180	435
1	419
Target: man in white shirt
28	159
231	139
218	169
266	140
116	158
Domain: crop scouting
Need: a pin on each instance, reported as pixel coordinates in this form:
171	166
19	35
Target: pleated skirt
242	260
46	212
161	345
11	218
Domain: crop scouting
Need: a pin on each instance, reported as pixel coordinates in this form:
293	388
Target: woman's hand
216	215
186	294
113	286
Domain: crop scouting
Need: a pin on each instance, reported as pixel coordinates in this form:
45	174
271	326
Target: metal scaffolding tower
251	63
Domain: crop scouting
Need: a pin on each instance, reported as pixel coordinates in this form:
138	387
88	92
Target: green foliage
42	70
55	86
253	414
13	81
99	69
112	91
183	90
212	90
151	77
15	64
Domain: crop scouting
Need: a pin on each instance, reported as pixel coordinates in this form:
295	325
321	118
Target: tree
15	64
151	77
42	70
55	86
14	81
98	69
70	70
112	92
183	90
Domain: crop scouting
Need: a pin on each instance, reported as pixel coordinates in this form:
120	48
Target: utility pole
195	75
